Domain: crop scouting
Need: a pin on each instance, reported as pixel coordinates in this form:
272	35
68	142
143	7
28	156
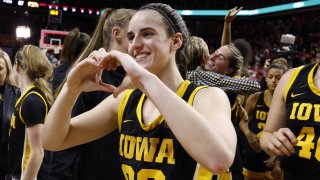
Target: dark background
263	31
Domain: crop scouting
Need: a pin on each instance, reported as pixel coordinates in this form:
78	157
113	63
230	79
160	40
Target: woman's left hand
135	74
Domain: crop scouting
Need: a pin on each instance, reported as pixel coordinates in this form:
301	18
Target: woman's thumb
105	87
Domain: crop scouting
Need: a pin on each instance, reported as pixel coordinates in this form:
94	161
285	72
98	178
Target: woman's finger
106	60
239	9
273	150
106	87
94	55
286	137
279	141
289	134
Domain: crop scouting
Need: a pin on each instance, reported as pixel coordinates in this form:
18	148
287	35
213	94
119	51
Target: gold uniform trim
311	81
234	105
158	120
257	175
22	95
193	94
291	80
265	98
44	101
122	106
27	149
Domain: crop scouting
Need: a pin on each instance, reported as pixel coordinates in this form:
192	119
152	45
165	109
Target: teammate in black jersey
292	128
257	164
31	69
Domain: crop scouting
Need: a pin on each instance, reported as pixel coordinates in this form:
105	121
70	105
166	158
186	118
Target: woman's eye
147	34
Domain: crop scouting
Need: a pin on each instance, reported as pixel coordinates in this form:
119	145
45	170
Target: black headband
163	14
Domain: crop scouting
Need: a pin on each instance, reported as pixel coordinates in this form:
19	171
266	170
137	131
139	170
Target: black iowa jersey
254	163
302	100
30	109
259	114
152	151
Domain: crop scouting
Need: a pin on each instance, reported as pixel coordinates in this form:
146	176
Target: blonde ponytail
37	67
43	85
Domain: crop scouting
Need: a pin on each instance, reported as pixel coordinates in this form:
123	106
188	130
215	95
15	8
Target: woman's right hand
253	142
86	75
281	142
232	13
136	75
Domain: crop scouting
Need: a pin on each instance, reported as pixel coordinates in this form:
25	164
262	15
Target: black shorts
254	165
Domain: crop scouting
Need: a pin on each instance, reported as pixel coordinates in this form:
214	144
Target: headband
163	14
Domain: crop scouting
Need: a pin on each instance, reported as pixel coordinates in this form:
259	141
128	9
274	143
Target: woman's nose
136	43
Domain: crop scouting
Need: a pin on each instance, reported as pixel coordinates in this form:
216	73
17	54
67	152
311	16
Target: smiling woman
225	60
153	138
219	69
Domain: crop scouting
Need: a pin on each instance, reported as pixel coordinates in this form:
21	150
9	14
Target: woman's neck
24	84
271	92
269	96
171	77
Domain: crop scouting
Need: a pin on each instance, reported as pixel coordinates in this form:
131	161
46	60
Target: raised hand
281	142
86	76
232	13
134	72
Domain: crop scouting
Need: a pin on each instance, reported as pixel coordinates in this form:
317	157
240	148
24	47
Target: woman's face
3	71
149	43
273	77
218	61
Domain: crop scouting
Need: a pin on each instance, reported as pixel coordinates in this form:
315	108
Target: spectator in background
74	43
9	93
256	72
